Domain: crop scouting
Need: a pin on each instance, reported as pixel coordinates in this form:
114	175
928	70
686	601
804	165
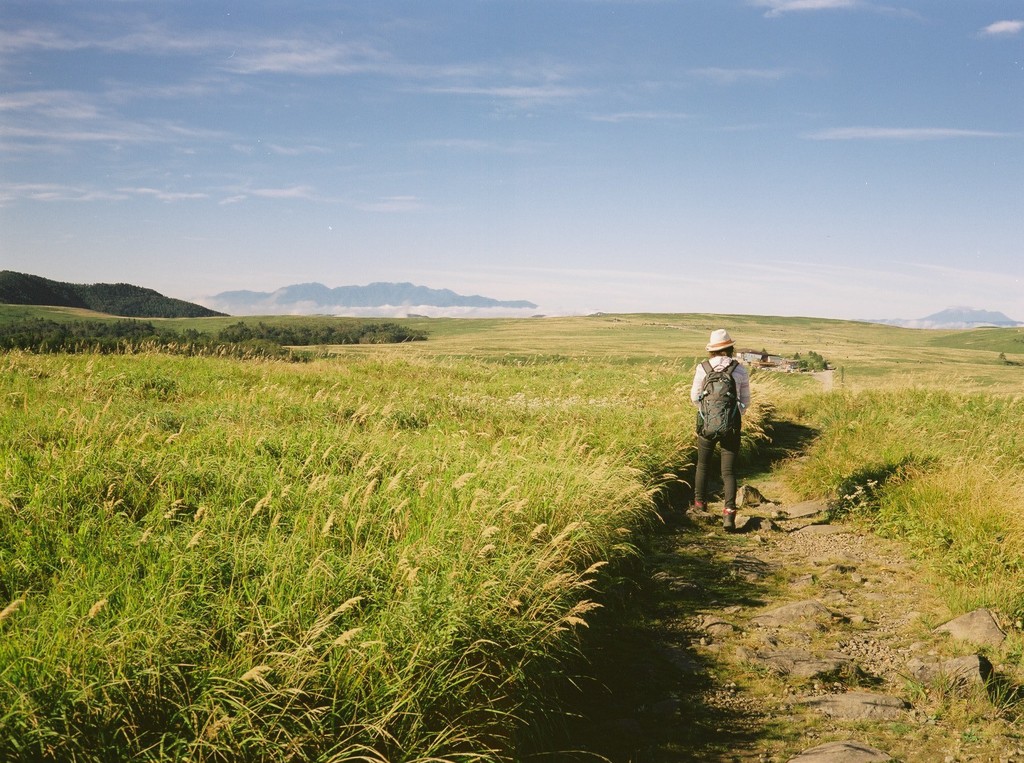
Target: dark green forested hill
112	298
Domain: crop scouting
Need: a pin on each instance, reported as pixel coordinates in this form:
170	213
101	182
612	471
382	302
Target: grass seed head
368	491
347	636
347	605
11	608
261	504
98	607
256	674
328	524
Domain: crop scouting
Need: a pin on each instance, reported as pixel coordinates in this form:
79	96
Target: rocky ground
794	639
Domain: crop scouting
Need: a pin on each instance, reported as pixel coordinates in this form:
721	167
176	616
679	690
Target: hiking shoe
729	519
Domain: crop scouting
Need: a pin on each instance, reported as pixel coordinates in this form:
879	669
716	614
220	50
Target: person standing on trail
721	392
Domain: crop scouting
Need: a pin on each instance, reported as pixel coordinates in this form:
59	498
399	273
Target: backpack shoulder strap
732	366
706	365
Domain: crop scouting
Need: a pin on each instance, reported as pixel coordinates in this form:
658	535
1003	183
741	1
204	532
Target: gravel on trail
793	639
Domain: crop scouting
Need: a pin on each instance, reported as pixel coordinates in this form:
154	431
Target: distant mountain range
119	299
954	318
374	298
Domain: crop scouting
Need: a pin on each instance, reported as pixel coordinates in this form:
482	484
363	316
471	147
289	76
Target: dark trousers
730	447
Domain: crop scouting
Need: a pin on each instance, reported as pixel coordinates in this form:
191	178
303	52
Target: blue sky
832	158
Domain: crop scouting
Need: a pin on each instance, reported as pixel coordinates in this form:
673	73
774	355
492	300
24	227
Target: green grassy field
864	355
392	554
865	352
228	560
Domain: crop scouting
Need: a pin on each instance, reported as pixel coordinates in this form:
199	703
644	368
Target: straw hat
720	339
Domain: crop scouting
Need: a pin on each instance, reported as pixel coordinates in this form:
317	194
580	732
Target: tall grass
372	558
944	471
391	555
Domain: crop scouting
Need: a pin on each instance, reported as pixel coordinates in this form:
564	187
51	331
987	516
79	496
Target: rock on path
842	752
979	627
859	706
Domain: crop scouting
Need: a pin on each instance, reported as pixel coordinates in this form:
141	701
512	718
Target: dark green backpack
718	408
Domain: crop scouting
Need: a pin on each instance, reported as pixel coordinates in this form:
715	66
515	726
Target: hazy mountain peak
954	318
970	315
377	298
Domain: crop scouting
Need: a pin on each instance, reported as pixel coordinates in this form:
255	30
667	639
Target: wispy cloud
728	76
306	57
55	104
161	195
150	38
480	146
236	53
20	40
777	8
292	192
314	57
57	137
303	150
522	84
54	192
904	133
392	204
296	192
640	116
118	92
76	193
54	136
522	94
780	7
1003	28
53	120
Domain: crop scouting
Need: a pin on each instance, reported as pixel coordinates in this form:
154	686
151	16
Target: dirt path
790	635
827	379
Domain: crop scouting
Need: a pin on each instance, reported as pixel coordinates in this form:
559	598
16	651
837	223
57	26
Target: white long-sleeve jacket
740	374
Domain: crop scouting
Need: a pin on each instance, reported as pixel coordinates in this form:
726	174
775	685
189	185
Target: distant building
767	361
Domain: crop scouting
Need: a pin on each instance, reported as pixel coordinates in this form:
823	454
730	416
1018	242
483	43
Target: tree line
239	339
310	333
811	362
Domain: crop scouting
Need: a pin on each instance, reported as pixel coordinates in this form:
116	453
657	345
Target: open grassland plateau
215	559
392	554
864	355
